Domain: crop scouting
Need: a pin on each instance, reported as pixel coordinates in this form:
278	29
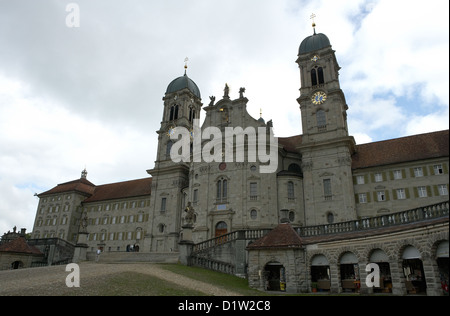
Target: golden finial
313	16
185	65
260	113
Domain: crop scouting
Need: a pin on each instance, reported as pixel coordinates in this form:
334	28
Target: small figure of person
97	257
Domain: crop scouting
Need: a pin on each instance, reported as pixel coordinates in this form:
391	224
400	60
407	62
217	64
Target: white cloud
92	96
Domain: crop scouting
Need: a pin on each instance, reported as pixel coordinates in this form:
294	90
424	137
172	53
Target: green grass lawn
226	281
137	284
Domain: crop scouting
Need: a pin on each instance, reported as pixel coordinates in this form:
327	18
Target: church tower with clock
182	104
326	147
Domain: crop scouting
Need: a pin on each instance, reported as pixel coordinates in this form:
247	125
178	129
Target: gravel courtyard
52	280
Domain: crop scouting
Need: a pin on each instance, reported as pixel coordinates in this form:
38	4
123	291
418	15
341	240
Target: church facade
321	176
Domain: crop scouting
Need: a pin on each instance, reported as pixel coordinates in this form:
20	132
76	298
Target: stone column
432	277
398	279
186	245
80	248
335	277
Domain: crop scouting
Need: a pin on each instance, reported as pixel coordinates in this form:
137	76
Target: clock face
319	98
171	131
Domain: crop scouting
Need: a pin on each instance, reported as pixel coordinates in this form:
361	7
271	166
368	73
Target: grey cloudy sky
92	96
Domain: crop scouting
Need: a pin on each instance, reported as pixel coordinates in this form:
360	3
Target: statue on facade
84	223
213	99
226	91
189	217
241	93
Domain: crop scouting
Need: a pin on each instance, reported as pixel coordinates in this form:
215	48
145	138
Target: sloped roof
282	236
412	148
121	190
399	150
290	143
81	185
20	245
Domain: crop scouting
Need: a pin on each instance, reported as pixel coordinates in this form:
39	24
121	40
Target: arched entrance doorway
275	276
443	264
413	271
379	257
220	230
349	272
320	274
17	265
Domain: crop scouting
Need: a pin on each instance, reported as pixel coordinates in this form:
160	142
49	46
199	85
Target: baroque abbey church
330	207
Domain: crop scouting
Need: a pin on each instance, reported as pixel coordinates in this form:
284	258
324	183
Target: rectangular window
328	194
363	198
422	192
360	180
438	169
378	177
418	172
443	190
253	191
401	194
163	204
381	196
397	174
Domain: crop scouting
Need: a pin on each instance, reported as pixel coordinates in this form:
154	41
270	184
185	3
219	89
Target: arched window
317	76
175	117
295	168
314	77
320	74
330	218
222	189
168	149
321	120
173	113
253	214
191	114
291	192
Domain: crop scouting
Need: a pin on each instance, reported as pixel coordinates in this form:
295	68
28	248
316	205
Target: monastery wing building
329	207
